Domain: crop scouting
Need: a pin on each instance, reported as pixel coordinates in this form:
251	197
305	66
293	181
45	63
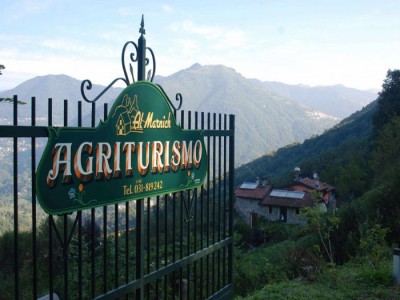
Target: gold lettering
64	164
143	168
83	175
129	147
156	151
197	154
102	156
176	156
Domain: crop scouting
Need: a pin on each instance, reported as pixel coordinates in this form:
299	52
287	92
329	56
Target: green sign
138	152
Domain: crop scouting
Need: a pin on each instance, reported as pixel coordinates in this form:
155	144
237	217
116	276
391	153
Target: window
283	214
270	209
253	219
297	211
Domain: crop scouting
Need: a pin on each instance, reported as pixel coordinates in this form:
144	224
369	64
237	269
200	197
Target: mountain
337	100
57	87
348	140
265	120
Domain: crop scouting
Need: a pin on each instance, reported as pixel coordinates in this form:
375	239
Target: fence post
139	203
396	265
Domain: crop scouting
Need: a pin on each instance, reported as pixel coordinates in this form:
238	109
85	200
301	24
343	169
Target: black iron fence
174	246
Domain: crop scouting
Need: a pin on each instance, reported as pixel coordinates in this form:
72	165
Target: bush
374	277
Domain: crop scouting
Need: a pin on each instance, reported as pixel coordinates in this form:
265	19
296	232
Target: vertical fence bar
65	217
208	206
213	201
224	207
15	186
231	195
201	220
139	203
182	199
116	245
165	243
92	226
148	231
33	199
51	288
173	242
105	227
105	238
139	246
157	242
219	201
189	219
126	242
196	119
181	194
80	285
80	289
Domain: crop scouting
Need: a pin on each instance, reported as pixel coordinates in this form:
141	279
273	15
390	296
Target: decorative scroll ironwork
134	56
189	205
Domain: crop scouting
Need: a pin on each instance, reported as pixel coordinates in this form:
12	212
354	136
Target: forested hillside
347	250
316	153
359	156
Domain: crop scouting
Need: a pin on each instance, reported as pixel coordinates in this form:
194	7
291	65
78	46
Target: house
325	190
255	200
284	205
248	198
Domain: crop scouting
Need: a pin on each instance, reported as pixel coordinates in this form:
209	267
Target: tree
384	159
2	67
388	101
373	243
324	223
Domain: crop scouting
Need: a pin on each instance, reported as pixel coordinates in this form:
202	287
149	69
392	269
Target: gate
173	246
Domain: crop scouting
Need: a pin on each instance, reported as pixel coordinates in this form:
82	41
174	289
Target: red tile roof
322	186
258	193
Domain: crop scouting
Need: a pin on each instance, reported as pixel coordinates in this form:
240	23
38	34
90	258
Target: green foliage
337	154
378	276
346	237
383	201
324	223
242	233
274	263
373	244
350	281
389	100
10	100
256	268
384	159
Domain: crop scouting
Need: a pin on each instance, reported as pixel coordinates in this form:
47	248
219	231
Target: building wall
291	217
246	207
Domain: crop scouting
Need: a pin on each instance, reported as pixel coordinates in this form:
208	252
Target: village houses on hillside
260	200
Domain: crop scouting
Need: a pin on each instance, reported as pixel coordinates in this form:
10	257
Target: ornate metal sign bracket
136	56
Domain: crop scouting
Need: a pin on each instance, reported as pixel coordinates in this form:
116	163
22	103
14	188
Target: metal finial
141	30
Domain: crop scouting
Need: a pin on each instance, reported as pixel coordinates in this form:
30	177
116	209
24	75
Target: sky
311	42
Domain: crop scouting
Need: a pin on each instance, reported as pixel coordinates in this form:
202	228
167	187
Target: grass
354	280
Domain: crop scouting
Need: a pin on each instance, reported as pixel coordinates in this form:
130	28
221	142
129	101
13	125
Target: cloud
21	9
217	37
167	8
127	11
